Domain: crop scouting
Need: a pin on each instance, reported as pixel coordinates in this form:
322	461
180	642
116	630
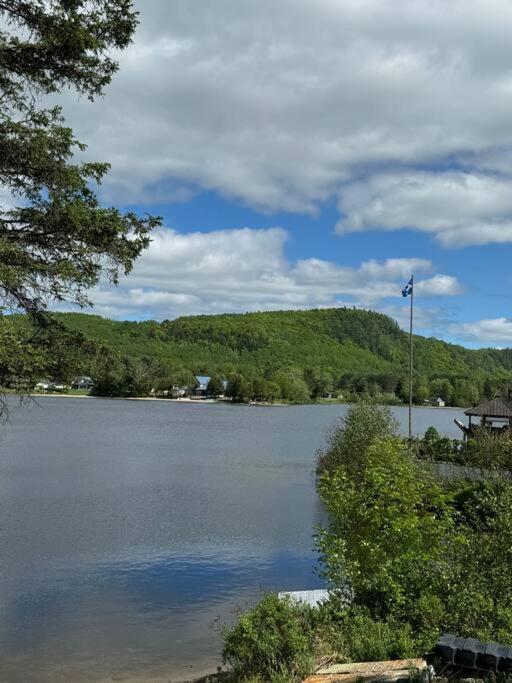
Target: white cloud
439	285
493	331
429	320
460	209
281	103
7	200
246	270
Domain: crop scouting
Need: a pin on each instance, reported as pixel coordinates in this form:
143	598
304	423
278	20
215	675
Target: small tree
215	386
388	534
237	388
292	386
348	443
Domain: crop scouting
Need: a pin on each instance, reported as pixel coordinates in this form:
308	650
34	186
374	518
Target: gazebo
494	415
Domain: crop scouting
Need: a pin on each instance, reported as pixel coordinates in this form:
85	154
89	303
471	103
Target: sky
314	153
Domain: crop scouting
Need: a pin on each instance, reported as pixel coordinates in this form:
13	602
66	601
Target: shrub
273	639
348	443
488	452
437	448
352	634
359	638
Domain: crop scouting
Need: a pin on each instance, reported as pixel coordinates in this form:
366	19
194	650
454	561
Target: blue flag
408	288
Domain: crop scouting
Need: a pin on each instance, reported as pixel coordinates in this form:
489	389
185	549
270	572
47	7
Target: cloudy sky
313	153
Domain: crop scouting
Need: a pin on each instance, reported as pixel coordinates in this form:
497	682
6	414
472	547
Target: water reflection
137	615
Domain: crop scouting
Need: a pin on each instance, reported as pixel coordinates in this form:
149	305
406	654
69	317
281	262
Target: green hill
352	349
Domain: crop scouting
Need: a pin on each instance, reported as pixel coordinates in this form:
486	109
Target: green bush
273	639
356	637
436	448
348	444
487	452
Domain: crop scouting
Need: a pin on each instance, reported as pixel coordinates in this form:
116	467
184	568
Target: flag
408	288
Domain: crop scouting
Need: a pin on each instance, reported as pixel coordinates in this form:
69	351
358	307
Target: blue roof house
202	385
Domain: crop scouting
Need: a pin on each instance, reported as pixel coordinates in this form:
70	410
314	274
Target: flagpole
410	359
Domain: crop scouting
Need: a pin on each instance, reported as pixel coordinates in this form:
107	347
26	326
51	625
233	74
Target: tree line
294	356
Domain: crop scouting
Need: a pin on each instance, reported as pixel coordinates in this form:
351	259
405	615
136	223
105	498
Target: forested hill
343	345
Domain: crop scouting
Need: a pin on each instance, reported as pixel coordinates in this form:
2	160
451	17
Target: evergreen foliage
56	240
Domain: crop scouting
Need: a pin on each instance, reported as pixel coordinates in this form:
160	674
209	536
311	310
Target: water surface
128	527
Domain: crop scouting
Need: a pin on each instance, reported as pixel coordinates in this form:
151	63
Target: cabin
439	402
82	383
201	387
494	415
178	391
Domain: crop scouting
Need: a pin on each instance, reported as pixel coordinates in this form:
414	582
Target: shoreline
214	401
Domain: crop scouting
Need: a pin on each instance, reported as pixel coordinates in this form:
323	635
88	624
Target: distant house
82	383
43	385
439	402
179	392
201	387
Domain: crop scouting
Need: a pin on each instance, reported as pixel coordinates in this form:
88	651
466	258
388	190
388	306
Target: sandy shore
130	398
186	401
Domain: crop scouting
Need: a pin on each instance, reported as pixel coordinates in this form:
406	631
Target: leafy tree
387	382
237	388
401	391
319	382
291	385
488	389
384	539
420	390
127	377
360	386
442	388
464	393
56	240
264	390
215	386
346	380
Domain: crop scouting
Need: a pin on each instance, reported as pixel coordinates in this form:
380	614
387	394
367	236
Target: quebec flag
408	288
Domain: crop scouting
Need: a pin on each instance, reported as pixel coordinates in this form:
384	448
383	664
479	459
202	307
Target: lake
130	528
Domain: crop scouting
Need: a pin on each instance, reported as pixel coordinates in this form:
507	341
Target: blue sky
314	153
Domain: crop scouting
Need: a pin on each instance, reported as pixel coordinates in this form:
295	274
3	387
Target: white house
82	383
439	402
